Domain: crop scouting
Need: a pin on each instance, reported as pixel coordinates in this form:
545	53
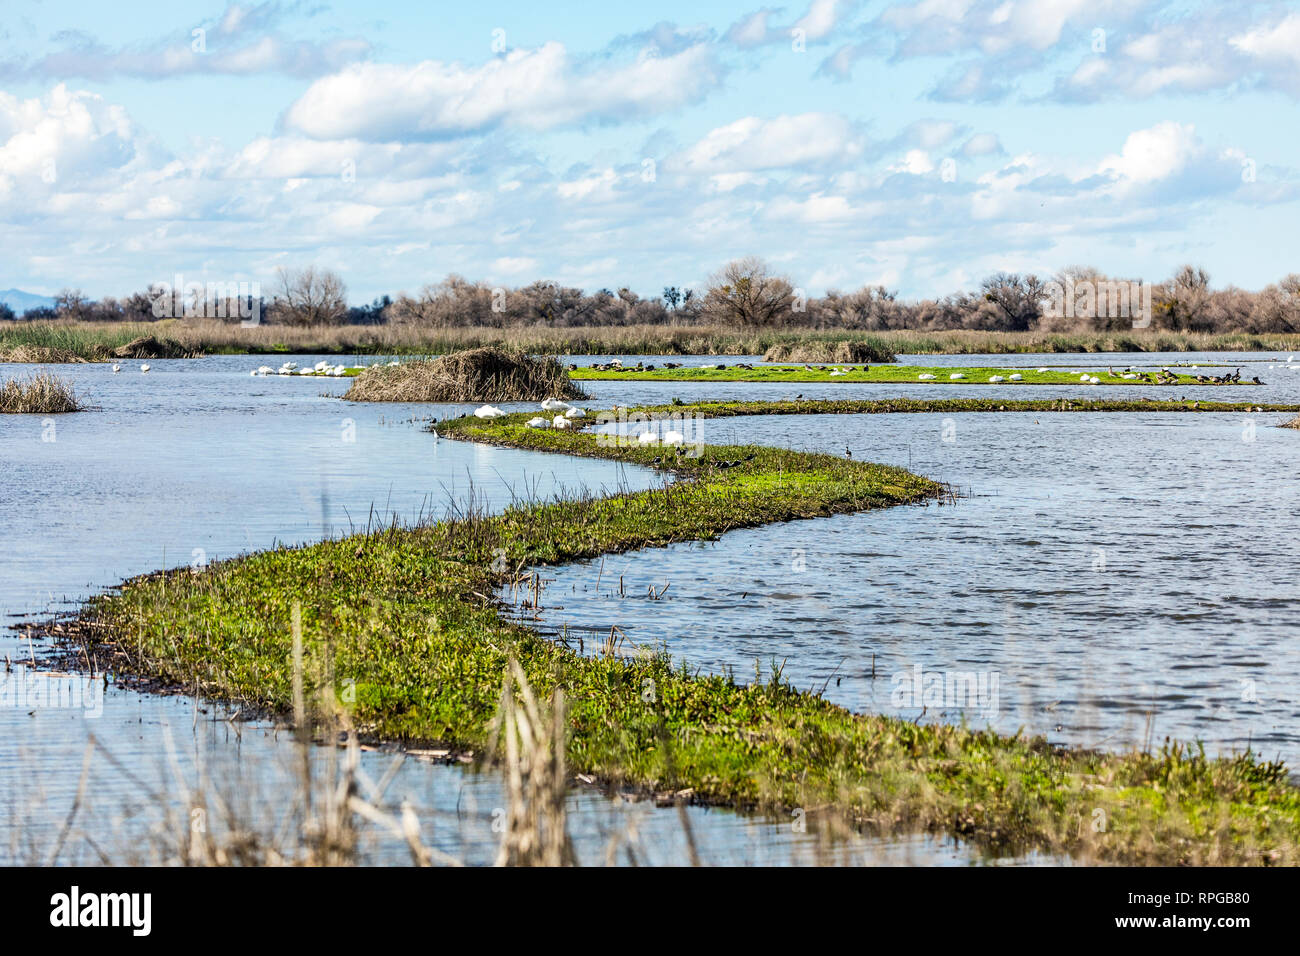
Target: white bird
321	365
560	422
575	413
555	405
290	365
144	368
925	376
838	372
306	371
996	378
1083	378
1042	370
647	438
538	423
488	411
956	375
394	362
1130	376
116	369
674	438
1016	377
1094	381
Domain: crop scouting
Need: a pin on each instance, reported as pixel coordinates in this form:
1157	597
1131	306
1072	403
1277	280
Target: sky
918	145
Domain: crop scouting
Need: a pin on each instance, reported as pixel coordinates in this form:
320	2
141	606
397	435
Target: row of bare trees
747	293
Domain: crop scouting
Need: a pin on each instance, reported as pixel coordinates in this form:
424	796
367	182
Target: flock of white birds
291	368
562	421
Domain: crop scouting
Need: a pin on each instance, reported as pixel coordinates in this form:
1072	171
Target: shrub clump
476	375
41	394
846	352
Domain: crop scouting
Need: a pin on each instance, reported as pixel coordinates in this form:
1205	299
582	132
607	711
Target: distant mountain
21	301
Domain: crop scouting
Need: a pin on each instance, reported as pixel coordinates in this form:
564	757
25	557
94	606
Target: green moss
406	619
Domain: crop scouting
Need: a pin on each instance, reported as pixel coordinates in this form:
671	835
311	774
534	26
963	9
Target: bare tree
745	292
1183	299
1018	299
310	296
71	304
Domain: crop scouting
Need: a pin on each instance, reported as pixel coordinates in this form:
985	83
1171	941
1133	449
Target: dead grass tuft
847	352
477	375
40	394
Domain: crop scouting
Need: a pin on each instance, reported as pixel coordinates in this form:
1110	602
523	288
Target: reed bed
39	394
212	336
475	375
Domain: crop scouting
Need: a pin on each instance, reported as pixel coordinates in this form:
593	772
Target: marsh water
1103	578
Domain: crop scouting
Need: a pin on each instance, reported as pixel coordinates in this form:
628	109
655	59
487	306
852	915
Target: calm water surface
197	461
1106	579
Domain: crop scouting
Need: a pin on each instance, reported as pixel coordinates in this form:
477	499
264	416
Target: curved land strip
894	406
880	374
407	614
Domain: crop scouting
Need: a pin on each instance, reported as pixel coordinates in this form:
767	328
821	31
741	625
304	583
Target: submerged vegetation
398	625
475	375
39	394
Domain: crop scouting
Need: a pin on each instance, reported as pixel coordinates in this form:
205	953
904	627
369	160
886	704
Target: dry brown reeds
824	351
476	375
531	741
39	394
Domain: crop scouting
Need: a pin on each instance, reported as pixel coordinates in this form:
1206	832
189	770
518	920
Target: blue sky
920	145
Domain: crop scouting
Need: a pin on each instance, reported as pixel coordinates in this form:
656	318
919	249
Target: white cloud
532	89
1151	154
1281	41
782	142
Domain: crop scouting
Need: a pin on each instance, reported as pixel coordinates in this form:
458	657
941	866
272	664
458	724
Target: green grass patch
401	625
891	374
895	406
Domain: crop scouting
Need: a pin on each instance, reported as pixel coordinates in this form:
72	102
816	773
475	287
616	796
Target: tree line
745	293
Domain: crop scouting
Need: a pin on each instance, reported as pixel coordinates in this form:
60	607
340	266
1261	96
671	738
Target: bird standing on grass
847	453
